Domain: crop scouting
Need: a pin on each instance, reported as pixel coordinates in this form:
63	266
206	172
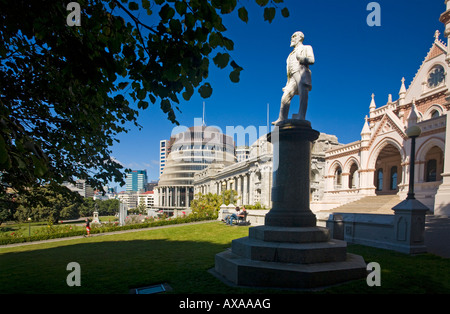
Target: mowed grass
181	257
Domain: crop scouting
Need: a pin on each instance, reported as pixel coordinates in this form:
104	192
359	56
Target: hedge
108	228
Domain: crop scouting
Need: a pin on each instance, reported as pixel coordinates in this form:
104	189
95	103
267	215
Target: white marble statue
298	78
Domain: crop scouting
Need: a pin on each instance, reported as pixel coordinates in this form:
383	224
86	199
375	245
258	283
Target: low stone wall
392	232
402	232
255	216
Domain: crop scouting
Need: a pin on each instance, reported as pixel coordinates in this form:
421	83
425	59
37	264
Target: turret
413	115
365	134
372	106
402	93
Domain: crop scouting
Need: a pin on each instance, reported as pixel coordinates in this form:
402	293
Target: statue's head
296	38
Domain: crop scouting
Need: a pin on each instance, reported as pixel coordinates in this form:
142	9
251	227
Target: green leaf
215	39
175	26
181	7
228	43
141	94
20	163
166	12
39	167
262	2
243	14
205	90
189	20
146	4
227	6
165	105
221	60
189	91
235	76
269	14
142	104
133	6
285	12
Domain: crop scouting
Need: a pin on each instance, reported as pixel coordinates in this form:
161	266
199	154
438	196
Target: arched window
353	179
435	114
338	178
394	177
431	170
380	179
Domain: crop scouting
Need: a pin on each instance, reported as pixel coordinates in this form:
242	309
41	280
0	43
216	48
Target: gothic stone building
379	163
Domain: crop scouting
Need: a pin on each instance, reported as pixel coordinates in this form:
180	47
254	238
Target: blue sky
353	60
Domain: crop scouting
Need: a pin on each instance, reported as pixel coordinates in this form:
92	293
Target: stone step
290	234
245	272
284	252
370	204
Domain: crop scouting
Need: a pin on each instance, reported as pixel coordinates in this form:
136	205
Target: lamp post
29	226
410	214
413	132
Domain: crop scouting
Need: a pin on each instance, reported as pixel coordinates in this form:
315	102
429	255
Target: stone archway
388	170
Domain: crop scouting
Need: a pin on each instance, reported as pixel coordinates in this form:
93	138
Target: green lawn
181	256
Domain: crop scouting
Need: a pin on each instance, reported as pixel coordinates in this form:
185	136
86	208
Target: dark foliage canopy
64	89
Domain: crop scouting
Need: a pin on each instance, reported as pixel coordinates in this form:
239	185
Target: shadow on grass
113	267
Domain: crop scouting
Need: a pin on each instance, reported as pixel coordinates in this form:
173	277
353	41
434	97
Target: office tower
136	180
163	152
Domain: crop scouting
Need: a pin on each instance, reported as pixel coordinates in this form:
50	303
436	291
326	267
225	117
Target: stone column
245	192
345	185
292	141
239	190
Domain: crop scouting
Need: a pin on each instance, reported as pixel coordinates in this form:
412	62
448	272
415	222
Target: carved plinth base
304	258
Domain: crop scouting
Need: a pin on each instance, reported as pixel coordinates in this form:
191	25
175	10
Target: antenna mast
203	118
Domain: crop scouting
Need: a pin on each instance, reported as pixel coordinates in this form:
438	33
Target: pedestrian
236	216
88	228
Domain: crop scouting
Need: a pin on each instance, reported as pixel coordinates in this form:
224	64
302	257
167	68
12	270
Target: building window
431	170
338	178
353	178
380	179
436	76
394	177
435	114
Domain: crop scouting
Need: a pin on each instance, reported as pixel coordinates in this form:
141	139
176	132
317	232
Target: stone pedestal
410	226
290	251
292	141
95	218
280	257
